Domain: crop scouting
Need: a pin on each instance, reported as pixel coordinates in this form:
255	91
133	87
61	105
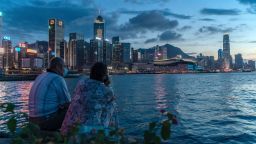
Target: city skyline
196	27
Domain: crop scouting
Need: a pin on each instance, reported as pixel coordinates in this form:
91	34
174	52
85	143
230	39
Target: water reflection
160	92
211	108
23	90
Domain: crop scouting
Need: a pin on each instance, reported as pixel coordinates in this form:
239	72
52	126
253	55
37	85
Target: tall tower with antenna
99	27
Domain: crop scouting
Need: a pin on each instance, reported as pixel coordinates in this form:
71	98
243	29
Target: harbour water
210	108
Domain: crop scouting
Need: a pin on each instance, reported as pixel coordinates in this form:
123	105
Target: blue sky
193	25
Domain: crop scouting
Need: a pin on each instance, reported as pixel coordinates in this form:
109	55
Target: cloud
251	2
214	29
152	40
207	19
165	12
148	21
28	19
184	28
169	36
165	36
209	11
146	1
252	42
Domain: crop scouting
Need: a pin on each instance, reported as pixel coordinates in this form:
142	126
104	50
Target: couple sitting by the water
92	105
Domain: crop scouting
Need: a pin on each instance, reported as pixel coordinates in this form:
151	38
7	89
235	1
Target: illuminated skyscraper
99	28
107	52
117	52
95	51
226	52
76	51
56	37
8	57
1	25
220	54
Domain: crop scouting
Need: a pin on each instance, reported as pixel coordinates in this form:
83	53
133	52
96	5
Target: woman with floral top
93	104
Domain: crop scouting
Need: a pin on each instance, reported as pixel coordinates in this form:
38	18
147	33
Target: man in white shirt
49	97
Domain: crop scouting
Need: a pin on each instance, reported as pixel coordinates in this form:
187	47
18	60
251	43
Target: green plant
156	133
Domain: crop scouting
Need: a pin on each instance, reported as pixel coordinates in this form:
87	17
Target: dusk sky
196	26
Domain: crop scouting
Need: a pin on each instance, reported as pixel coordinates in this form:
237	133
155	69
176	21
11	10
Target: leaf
100	136
112	133
170	116
8	107
152	126
165	130
11	124
157	140
17	140
148	137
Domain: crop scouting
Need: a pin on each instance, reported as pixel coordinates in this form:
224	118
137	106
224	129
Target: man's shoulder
48	75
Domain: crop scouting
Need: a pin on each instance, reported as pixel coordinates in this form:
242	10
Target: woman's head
99	72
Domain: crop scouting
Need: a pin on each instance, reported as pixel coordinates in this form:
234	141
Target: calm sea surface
211	108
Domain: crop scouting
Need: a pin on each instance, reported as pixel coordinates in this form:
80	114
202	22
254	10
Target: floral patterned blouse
93	104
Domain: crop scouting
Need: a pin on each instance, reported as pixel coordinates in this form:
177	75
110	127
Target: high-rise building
95	51
227	61
126	52
115	40
56	37
220	54
160	53
1	58
1	26
76	51
42	49
117	52
134	55
239	62
251	64
107	52
211	62
8	56
99	28
63	50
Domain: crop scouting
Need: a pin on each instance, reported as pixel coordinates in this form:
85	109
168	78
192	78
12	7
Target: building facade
227	60
99	28
107	52
95	51
1	26
56	37
8	53
239	62
76	51
126	52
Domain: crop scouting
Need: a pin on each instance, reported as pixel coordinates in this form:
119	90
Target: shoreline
27	77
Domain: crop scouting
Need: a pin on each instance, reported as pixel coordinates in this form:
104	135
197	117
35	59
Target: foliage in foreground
156	133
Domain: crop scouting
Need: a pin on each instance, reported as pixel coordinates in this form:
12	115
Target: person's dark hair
98	71
56	61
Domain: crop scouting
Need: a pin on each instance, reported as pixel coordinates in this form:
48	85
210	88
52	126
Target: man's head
99	72
57	65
